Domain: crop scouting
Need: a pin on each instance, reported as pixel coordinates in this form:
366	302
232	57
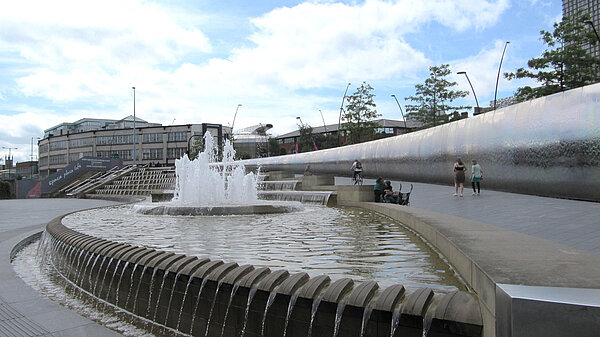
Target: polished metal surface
548	146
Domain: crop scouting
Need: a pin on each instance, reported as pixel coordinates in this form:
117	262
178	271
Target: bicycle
358	178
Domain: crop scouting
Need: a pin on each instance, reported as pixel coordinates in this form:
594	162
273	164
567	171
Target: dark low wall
165	288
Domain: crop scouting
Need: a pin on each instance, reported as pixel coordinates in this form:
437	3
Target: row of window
114	140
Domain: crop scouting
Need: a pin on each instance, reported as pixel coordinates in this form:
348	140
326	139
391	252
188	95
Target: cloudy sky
195	61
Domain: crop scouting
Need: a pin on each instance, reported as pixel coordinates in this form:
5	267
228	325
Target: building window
115	140
43	148
178	136
58	159
73	143
387	131
279	141
152	138
149	154
61	145
176	153
44	161
123	154
289	140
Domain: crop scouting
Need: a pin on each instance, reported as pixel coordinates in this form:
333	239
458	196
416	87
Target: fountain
168	290
206	187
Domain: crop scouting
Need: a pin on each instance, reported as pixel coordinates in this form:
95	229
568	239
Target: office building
155	143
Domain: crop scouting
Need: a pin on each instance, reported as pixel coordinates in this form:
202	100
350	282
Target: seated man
390	195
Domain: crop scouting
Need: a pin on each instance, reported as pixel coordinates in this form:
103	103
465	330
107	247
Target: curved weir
546	146
175	292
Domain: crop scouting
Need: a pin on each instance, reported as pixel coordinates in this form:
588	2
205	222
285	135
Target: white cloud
93	52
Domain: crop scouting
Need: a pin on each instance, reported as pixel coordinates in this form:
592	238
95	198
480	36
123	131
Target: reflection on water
339	242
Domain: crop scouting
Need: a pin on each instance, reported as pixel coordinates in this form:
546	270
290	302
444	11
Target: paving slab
24	311
570	222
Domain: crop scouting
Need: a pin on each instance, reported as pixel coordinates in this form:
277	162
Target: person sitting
307	171
390	196
379	189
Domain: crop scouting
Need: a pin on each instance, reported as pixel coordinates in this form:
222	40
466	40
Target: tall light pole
341	109
589	22
300	119
476	101
134	142
498	77
400	109
233	123
325	126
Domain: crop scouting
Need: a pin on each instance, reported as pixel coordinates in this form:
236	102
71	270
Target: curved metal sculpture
549	146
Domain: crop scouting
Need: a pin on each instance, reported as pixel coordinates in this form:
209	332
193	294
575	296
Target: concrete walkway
570	222
23	311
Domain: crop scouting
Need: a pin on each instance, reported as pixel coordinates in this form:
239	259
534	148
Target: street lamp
233	123
325	126
476	101
589	22
498	77
400	110
300	119
341	109
134	143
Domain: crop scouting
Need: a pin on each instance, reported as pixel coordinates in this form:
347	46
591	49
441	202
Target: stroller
402	198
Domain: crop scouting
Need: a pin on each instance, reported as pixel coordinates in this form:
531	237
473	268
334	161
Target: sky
195	61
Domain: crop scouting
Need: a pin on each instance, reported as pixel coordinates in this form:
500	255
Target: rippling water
339	242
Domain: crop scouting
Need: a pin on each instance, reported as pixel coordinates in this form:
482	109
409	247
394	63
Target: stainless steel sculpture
548	146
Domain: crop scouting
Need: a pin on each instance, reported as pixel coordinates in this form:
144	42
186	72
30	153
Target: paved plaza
569	222
24	312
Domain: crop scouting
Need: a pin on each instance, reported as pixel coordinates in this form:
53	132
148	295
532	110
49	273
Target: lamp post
341	109
498	77
589	22
400	109
134	143
31	158
233	123
476	101
300	119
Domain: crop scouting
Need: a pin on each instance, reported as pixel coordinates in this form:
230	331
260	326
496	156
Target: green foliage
5	190
306	139
565	64
274	148
359	115
433	97
196	148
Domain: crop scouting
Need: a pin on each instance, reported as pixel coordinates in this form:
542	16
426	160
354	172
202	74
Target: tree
274	148
432	98
196	147
359	115
305	140
565	64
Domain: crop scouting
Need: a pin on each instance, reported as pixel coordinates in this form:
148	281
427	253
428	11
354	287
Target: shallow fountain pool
339	242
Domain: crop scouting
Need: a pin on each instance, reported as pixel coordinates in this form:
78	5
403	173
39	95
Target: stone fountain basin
208	210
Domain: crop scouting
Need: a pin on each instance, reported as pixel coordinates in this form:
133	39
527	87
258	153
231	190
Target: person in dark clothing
459	176
379	189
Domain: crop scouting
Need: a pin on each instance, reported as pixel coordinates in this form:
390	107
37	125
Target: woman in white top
476	176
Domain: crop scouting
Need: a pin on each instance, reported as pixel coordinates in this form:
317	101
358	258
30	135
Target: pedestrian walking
459	177
476	177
